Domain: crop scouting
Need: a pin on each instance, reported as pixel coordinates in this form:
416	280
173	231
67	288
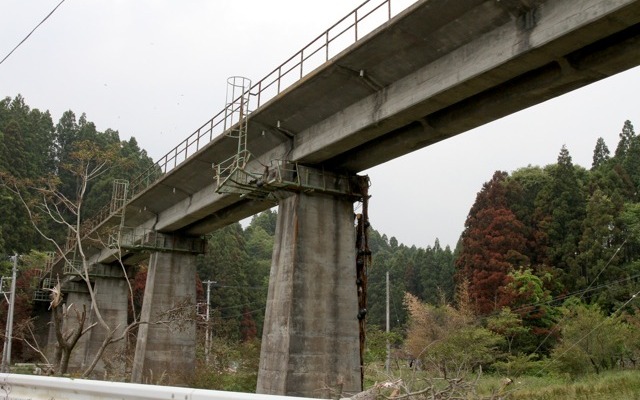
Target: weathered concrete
74	301
112	297
112	294
441	68
310	338
167	348
434	71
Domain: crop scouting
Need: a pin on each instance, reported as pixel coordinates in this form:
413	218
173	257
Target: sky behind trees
157	70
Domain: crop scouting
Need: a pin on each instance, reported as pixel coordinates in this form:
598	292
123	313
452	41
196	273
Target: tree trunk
379	390
68	343
64	361
57	357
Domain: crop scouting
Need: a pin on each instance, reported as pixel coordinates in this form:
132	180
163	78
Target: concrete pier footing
310	343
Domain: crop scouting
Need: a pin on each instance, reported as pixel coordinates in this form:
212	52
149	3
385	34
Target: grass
614	385
618	385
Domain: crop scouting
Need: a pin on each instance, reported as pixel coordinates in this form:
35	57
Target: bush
521	365
591	341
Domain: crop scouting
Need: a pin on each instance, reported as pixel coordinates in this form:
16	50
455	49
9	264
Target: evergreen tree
523	187
597	244
626	137
266	220
26	153
226	263
601	154
560	211
631	165
436	271
394	262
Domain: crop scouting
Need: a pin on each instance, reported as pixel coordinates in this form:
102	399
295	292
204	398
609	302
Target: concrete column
112	297
310	339
167	349
75	300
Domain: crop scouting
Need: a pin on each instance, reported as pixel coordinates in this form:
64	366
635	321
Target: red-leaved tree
493	244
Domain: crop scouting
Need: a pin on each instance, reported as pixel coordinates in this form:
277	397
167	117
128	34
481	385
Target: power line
551	331
237	287
597	326
582	292
237	315
238	306
33	30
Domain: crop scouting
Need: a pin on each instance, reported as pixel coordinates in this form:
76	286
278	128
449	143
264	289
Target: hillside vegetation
541	287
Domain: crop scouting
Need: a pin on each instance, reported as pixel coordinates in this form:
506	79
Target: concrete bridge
298	138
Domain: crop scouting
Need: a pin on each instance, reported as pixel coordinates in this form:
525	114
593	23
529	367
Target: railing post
355	24
279	77
259	94
326	46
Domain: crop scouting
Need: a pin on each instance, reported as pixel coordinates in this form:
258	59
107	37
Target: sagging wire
30	33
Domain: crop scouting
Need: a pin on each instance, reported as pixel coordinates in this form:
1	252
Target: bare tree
66	338
46	202
433	389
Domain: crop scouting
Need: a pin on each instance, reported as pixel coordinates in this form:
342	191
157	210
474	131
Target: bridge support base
112	294
310	342
167	349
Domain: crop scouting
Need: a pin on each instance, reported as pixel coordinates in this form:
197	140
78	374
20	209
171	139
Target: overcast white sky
157	70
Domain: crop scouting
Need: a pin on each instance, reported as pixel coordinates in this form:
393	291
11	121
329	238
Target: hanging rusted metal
363	262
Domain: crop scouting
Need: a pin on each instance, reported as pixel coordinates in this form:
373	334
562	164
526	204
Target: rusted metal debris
363	261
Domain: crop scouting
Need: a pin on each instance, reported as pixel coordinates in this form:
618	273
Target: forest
543	281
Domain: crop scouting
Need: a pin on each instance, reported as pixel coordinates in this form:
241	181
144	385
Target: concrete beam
463	67
505	54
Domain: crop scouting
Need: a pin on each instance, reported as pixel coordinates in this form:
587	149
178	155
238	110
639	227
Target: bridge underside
437	70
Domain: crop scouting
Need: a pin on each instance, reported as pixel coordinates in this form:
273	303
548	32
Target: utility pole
387	364
6	353
207	335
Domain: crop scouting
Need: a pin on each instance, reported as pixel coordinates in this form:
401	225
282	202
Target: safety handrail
260	93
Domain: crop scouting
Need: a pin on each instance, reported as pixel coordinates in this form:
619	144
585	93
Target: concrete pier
310	344
76	297
436	70
112	295
167	349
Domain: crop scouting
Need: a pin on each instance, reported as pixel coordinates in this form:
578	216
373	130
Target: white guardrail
33	387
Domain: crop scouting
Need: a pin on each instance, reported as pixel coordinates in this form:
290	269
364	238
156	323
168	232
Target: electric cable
551	331
30	33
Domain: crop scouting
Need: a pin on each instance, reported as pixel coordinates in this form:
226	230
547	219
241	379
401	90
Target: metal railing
338	37
347	31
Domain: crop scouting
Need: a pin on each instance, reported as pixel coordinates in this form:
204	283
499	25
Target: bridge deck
437	69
